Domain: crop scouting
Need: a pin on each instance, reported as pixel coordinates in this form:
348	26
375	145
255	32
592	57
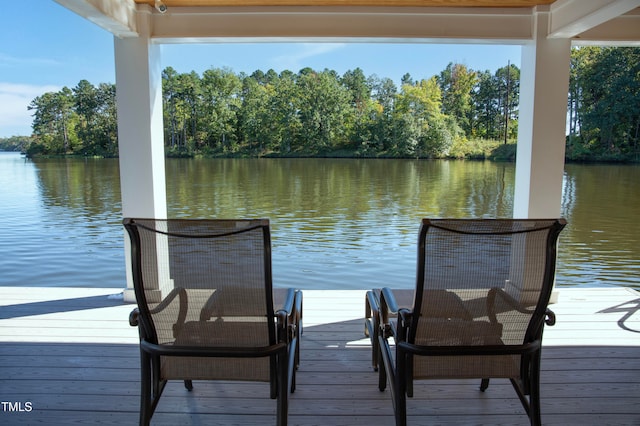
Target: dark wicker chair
206	307
478	311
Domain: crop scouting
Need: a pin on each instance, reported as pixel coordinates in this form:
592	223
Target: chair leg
145	389
275	376
400	393
382	377
409	376
396	378
401	408
297	355
375	349
484	384
151	386
534	390
298	324
385	363
188	384
283	389
293	350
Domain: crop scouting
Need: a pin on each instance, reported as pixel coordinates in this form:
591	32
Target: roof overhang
196	21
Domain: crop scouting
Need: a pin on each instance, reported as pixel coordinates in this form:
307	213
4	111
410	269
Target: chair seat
466	367
230	332
200	368
457	333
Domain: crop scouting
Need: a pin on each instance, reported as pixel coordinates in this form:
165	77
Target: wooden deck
68	356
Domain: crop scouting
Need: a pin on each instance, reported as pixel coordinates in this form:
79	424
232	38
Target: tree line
459	113
604	104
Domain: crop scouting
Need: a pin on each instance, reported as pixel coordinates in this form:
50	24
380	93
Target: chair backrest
197	275
483	281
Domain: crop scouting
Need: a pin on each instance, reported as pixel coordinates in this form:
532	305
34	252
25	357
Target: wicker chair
206	307
478	311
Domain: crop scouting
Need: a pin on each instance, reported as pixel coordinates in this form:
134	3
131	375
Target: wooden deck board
71	353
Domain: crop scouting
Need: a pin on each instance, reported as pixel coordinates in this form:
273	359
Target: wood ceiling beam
116	16
368	3
472	25
584	21
572	17
621	31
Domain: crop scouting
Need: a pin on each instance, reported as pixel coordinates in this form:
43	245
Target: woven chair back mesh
482	282
208	284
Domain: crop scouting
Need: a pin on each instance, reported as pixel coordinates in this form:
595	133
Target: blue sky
44	47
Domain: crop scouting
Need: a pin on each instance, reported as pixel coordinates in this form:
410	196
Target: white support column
544	87
140	132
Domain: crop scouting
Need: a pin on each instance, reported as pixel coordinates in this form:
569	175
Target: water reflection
62	222
602	206
335	190
92	186
336	223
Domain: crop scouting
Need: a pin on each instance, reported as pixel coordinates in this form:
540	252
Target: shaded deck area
71	355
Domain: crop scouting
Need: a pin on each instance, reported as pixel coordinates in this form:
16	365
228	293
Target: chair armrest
287	303
178	291
372	304
371	313
389	305
550	317
297	311
496	291
134	317
289	315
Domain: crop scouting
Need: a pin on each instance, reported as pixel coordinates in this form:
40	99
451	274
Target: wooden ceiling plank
336	24
386	3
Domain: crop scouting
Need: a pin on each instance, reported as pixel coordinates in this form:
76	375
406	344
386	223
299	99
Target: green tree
285	117
54	122
457	84
362	111
384	93
487	114
171	109
579	60
256	126
106	124
221	91
508	86
96	124
323	109
182	95
319	112
87	108
15	143
605	91
422	129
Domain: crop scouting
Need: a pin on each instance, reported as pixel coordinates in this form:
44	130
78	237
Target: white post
140	131
544	87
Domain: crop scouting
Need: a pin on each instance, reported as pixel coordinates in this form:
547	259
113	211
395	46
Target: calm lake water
349	224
